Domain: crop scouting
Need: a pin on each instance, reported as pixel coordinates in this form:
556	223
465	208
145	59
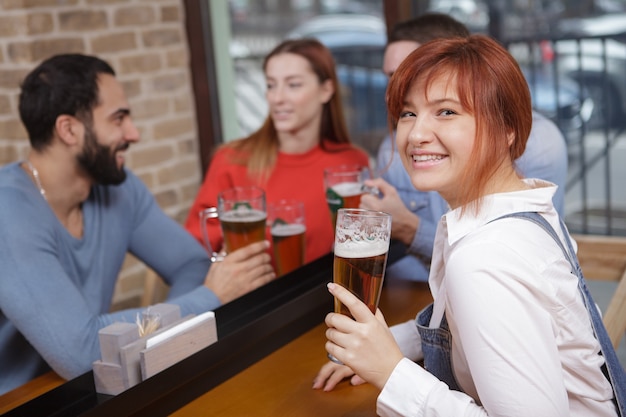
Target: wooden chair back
604	258
154	289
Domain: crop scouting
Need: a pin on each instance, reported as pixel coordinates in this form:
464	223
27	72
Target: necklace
35	173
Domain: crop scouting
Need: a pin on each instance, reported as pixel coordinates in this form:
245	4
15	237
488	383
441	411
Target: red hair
490	86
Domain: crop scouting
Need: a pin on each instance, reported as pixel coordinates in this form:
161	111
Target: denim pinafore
437	342
437	347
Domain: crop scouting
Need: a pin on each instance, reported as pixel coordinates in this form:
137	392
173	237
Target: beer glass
287	227
361	247
344	187
242	215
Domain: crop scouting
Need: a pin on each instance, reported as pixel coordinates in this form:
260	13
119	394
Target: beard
99	161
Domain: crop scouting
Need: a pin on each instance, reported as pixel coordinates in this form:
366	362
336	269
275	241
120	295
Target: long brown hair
259	150
491	87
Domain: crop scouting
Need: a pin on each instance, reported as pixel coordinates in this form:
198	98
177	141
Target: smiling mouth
124	146
424	158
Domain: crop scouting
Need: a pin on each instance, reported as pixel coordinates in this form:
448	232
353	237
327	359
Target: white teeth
423	158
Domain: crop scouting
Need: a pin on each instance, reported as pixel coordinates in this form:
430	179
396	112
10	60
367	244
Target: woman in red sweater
304	133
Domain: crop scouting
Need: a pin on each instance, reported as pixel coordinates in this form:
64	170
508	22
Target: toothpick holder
128	358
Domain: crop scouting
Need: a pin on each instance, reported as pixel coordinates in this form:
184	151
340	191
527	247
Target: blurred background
573	53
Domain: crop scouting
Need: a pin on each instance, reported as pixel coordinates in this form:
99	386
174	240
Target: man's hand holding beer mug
361	247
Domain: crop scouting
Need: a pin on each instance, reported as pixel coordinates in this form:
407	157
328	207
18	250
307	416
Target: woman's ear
327	91
510	137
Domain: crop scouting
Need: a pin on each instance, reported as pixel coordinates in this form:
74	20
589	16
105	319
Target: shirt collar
537	199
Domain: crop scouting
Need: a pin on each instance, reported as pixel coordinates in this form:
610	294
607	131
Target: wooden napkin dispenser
128	358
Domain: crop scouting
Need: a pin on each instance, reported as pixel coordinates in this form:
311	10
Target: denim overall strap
437	348
616	374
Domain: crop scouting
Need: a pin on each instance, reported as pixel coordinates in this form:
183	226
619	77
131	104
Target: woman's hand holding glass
364	344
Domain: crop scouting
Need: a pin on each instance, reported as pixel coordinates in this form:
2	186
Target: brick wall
145	42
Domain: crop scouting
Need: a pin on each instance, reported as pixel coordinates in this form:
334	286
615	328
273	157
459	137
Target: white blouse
522	339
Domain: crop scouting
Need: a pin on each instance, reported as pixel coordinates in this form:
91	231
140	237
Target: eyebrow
438	101
122	111
445	100
288	77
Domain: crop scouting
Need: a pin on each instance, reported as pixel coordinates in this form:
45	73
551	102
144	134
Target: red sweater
295	177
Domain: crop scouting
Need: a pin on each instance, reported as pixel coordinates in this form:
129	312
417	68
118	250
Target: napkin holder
128	358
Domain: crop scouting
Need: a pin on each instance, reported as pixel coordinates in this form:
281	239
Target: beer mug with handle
361	246
205	216
241	213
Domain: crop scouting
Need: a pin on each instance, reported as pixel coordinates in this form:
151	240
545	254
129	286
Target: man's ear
69	129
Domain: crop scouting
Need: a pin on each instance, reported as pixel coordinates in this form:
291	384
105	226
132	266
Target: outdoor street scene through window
573	54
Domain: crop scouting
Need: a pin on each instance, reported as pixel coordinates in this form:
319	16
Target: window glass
572	52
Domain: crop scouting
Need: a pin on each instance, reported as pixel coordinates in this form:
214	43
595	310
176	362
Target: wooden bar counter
29	391
280	384
270	347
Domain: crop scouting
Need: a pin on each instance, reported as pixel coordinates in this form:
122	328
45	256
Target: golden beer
361	247
289	243
361	272
242	227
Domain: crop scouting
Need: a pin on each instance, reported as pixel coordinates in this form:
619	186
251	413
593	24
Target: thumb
380	317
357	380
381	184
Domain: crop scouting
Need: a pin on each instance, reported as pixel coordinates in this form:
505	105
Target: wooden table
280	384
277	382
30	390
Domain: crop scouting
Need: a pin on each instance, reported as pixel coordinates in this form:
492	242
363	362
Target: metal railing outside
595	193
578	70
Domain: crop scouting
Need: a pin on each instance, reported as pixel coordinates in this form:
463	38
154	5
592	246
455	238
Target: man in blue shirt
416	213
70	213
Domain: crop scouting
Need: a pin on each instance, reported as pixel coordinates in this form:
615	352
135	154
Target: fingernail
330	286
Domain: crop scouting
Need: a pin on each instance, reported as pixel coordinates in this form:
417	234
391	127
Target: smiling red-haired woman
498	98
509	332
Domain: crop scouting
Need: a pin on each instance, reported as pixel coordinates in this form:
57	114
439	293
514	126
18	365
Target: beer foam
288	229
347	189
361	248
243	215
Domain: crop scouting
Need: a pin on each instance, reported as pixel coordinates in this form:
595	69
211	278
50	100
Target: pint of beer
361	246
242	216
287	227
344	187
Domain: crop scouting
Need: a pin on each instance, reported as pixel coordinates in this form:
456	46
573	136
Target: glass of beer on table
242	215
344	187
287	227
361	246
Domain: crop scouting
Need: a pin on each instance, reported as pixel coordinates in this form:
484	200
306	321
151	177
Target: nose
275	94
421	132
131	133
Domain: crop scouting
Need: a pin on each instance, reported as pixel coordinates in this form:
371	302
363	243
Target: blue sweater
56	290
